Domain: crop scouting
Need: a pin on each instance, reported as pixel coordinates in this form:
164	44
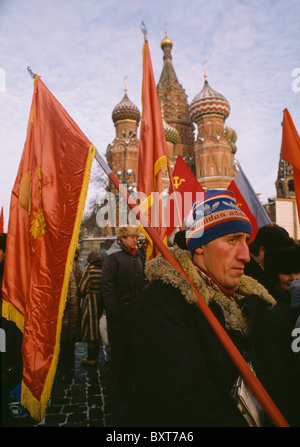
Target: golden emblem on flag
38	224
178	181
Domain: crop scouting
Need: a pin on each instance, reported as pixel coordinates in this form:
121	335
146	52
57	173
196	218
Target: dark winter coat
71	320
122	280
183	375
92	306
253	269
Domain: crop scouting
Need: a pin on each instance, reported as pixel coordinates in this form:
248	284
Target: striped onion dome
230	134
232	137
126	110
170	133
208	101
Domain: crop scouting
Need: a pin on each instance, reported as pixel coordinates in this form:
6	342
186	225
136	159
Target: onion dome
232	137
208	101
233	148
126	110
230	134
166	41
170	133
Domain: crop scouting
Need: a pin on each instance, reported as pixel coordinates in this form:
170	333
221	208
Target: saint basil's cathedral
210	155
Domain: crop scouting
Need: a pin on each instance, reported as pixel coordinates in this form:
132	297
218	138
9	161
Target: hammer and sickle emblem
178	181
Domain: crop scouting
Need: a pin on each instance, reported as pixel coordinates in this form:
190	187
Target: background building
199	133
283	209
209	154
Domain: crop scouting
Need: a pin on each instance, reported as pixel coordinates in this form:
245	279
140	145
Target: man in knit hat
217	236
183	375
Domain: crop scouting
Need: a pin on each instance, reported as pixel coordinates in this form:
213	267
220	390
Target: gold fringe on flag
12	314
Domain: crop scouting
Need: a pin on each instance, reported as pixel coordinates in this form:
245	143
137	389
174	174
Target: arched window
291	186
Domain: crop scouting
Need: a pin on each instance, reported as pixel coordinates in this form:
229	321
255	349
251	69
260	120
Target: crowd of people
167	365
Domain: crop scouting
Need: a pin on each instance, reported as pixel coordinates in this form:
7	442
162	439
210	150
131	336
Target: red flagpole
253	382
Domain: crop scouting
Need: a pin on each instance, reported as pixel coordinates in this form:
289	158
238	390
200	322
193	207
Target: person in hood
183	374
282	268
267	237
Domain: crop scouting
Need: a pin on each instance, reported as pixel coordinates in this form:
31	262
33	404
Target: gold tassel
11	313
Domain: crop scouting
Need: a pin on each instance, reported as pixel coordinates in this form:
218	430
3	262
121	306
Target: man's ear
199	250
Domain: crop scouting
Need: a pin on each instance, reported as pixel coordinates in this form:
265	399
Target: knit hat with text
217	215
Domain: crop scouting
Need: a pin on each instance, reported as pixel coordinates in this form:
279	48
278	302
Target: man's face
130	242
224	258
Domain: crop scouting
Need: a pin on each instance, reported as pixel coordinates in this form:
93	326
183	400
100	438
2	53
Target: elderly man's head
129	235
217	235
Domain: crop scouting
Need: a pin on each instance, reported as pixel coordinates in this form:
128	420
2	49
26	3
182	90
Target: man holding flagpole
184	377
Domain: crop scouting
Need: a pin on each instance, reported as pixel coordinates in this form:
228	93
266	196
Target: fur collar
160	269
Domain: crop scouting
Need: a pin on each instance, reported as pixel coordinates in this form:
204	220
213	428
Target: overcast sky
84	49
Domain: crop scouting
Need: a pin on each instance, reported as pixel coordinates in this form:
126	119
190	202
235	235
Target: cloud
83	51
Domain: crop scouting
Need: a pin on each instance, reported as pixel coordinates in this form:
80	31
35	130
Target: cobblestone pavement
79	396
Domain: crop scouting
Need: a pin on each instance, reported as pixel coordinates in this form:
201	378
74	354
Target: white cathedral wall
287	216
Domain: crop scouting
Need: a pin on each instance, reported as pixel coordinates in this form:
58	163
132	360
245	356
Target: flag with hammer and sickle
187	190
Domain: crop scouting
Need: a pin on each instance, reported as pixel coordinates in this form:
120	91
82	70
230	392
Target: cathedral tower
122	154
214	147
283	208
285	180
174	105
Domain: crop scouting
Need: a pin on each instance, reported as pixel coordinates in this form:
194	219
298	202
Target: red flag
47	203
1	221
290	151
248	201
187	190
153	155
